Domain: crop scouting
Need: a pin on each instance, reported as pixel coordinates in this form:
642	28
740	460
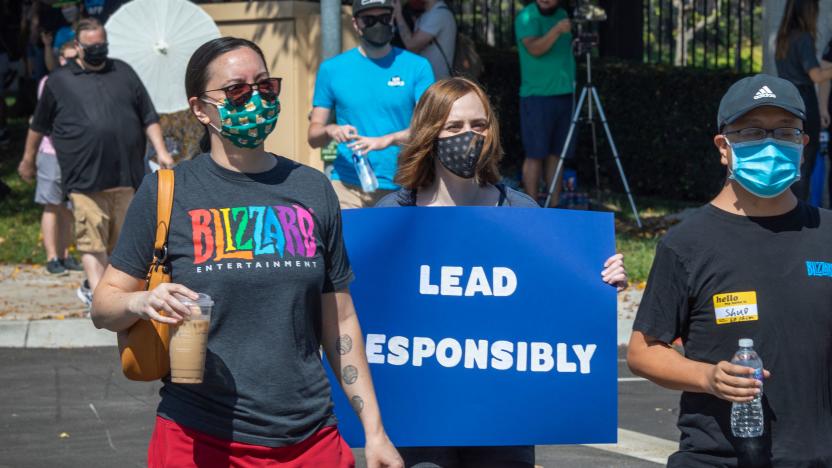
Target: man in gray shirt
434	35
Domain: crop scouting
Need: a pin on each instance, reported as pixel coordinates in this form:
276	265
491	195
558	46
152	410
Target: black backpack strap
448	64
503	194
406	197
444	57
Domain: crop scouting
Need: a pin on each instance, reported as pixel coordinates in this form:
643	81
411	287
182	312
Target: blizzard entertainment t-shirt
264	247
719	277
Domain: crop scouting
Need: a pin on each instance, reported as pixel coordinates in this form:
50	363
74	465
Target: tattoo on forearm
343	344
349	374
357	404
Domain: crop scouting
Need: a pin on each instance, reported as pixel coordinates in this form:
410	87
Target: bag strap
444	57
164	206
503	194
442	51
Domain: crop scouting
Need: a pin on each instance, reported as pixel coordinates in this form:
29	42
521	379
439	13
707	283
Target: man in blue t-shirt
372	90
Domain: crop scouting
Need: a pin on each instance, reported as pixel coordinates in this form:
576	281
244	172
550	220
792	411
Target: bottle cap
746	343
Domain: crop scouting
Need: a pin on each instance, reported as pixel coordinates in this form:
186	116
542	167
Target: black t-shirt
265	247
718	277
97	122
800	58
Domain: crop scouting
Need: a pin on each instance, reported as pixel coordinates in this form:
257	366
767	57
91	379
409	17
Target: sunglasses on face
370	20
97	44
239	93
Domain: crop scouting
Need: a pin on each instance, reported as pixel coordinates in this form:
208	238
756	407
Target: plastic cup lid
746	343
204	300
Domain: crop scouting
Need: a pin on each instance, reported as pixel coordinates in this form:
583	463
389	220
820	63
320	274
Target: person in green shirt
547	73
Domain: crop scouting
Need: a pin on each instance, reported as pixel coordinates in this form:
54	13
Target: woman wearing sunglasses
452	160
261	235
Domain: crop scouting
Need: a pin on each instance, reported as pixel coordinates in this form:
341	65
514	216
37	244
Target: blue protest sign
485	326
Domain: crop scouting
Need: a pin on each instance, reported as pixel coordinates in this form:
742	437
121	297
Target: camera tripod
589	94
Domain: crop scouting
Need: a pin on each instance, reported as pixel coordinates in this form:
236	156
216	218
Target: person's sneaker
55	267
84	293
71	264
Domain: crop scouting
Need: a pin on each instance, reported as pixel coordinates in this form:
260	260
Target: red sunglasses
239	93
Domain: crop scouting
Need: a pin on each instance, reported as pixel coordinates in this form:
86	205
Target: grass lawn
639	245
19	215
20	218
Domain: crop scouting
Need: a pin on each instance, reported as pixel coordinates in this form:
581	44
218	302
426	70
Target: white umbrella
157	38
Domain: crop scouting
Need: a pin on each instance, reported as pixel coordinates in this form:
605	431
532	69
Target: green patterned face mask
248	125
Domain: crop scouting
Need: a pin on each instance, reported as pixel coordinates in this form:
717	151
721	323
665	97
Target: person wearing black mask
99	116
372	90
453	159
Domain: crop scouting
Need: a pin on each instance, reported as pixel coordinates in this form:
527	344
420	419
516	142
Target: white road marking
632	379
642	446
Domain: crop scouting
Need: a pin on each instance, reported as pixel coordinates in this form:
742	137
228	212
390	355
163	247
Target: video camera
588	11
585	17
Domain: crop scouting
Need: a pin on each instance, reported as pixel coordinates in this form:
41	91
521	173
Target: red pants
175	446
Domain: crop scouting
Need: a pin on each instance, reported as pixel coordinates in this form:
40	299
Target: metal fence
487	21
692	33
704	33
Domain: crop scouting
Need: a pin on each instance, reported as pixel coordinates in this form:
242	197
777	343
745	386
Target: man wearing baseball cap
753	263
372	89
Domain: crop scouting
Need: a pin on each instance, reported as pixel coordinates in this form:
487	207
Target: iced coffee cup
188	341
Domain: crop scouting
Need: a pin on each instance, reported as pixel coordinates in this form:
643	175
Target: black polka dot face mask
460	153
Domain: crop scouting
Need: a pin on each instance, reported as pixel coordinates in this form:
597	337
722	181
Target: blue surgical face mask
766	168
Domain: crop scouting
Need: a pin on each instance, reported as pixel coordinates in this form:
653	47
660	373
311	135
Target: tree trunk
682	35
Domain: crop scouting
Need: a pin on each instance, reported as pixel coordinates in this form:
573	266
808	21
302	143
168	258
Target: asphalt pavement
73	408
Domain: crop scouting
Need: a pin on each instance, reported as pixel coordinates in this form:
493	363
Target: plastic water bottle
366	175
747	418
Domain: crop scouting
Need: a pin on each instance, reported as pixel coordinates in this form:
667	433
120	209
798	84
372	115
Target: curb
80	333
625	329
69	333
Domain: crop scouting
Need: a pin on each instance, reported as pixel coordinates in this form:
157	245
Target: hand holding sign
500	339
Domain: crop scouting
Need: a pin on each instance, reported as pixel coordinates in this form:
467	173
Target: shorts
544	125
521	456
173	445
98	218
48	189
350	196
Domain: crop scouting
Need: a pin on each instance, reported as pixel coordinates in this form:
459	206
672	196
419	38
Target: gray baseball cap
757	91
360	5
